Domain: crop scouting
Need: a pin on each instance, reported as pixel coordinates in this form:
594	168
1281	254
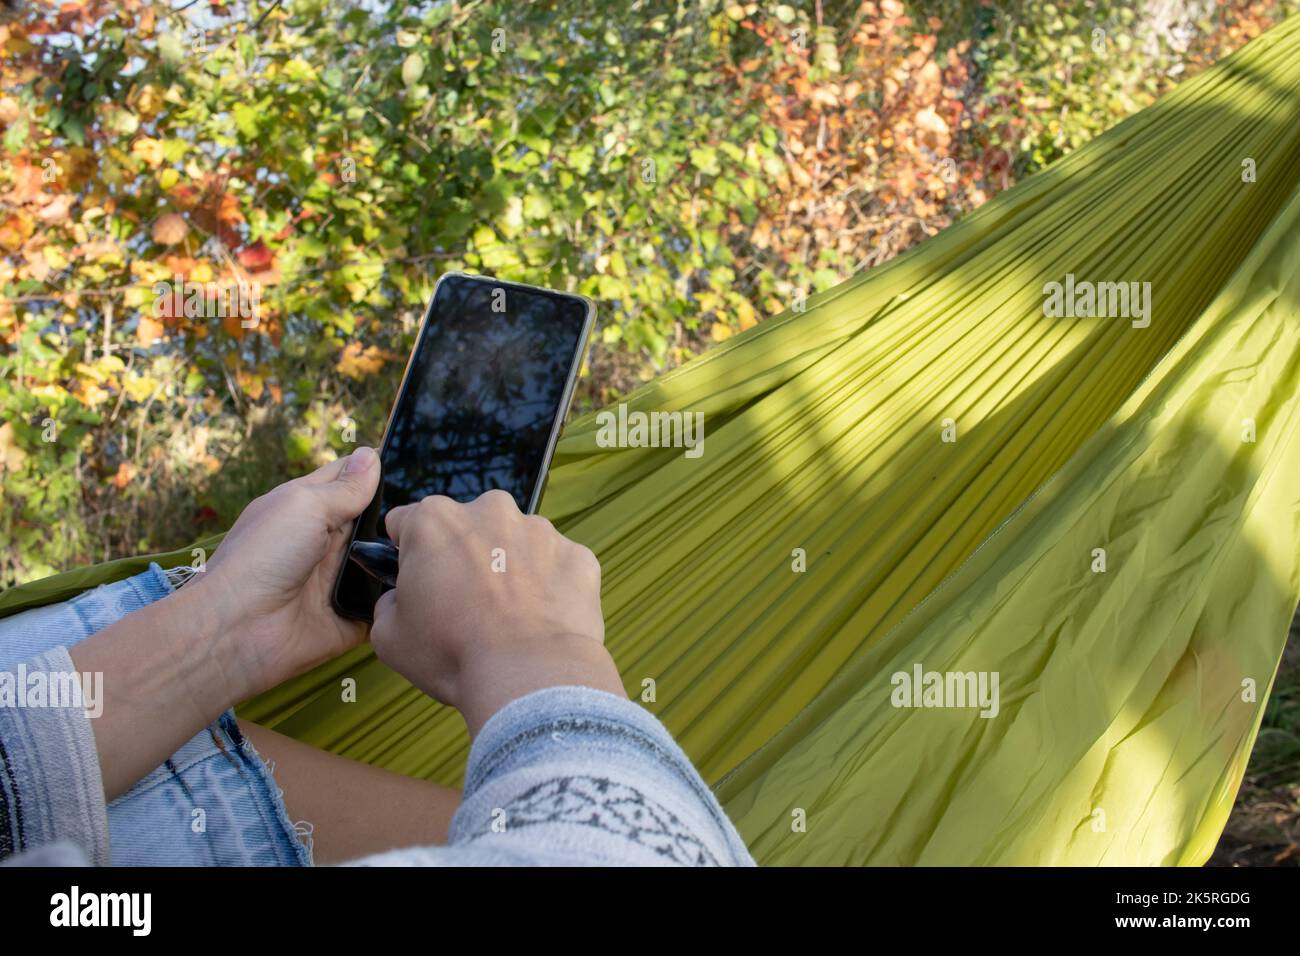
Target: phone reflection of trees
482	396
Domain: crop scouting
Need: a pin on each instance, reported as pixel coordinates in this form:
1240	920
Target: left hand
268	586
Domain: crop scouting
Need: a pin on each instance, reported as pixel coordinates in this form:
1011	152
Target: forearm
574	776
166	674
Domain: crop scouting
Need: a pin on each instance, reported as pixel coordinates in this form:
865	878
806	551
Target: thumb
346	493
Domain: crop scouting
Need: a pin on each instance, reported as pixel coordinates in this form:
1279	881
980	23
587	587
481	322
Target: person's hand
268	585
490	605
257	615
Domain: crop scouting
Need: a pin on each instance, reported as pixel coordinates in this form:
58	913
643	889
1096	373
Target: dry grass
1264	829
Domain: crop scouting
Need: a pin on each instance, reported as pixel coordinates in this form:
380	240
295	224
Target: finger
400	517
385	620
330	470
353	486
386	605
393	522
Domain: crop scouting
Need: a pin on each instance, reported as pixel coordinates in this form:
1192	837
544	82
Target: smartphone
479	407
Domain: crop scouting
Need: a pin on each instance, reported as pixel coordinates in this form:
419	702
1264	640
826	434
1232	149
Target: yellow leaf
54	257
745	315
357	363
149	150
91	372
92	395
11	456
138	388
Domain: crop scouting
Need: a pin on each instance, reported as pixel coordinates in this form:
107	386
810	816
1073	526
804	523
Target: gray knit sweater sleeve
50	788
572	776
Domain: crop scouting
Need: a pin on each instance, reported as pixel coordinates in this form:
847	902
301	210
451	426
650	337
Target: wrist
209	657
493	678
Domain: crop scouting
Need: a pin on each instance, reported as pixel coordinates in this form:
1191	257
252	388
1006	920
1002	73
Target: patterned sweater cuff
50	786
593	778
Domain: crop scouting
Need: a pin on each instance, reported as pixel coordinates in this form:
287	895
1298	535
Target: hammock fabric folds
1169	455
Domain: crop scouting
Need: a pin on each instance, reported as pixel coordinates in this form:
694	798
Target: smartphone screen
479	408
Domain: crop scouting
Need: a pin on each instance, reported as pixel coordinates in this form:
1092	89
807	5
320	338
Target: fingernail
359	460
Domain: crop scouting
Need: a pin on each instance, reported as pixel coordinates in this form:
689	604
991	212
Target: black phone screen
486	389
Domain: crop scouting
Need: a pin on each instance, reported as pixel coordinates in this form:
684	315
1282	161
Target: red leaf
256	257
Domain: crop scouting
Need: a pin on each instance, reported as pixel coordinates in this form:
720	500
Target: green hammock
1129	696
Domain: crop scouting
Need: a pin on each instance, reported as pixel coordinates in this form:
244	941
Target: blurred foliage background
694	167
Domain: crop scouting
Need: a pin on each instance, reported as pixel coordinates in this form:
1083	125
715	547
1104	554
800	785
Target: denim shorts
213	802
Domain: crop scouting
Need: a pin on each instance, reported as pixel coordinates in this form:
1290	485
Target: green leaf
16	135
171	48
705	159
246	120
412	69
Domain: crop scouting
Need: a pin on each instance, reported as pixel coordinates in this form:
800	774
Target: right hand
490	605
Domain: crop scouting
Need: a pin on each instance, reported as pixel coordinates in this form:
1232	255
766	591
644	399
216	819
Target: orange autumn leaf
179	265
229	212
357	363
125	472
97	249
251	384
170	229
933	128
28	186
57	210
15	231
233	325
148	331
